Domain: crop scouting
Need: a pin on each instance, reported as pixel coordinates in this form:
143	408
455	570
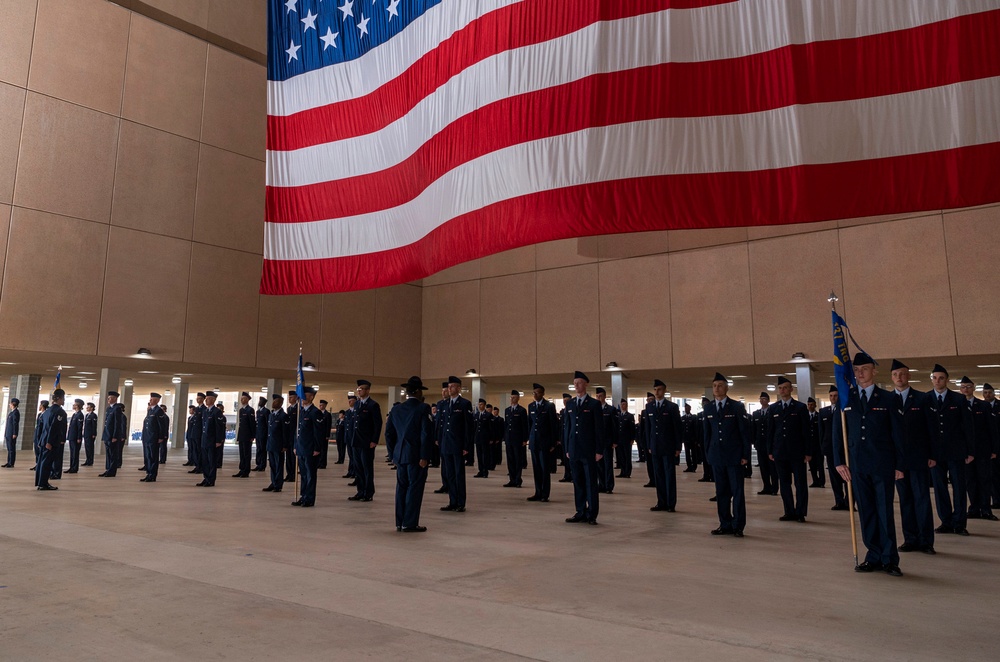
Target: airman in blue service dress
438	418
626	435
11	431
788	447
826	416
979	472
89	435
761	438
166	445
875	447
291	425
457	433
307	447
246	431
543	431
211	440
154	433
815	447
517	429
409	431
352	462
74	436
606	466
915	513
194	449
113	436
327	424
691	433
277	426
663	443
367	421
36	441
949	424
584	425
727	443
52	438
483	436
260	436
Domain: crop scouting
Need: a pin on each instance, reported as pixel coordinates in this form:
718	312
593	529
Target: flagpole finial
833	299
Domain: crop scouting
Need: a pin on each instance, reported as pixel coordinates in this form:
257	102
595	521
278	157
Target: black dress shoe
399	528
103	475
239	475
356	497
893	570
459	509
764	492
738	534
991	517
441	490
868	566
565	480
289	479
658	508
353	483
909	547
722	532
575	518
347	476
150	480
297	503
509	485
715	498
840	507
534	498
194	471
366	499
801	520
144	480
269	488
449	508
47	488
787	518
962	532
928	549
592	522
73	471
944	529
202	483
186	464
704	480
414	529
650	485
670	509
308	505
142	468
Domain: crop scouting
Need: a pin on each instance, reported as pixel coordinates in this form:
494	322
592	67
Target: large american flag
406	136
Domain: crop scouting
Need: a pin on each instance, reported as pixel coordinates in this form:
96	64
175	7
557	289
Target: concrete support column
804	381
179	414
478	390
126	400
619	388
109	382
273	388
395	395
25	388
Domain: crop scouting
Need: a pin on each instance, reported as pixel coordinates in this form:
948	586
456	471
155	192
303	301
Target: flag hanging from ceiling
407	136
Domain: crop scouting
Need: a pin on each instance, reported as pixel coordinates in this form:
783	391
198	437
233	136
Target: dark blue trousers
43	469
915	513
11	452
207	464
484	457
875	510
951	514
585	492
364	470
540	472
665	478
369	484
454	467
838	484
410	481
307	475
193	453
59	453
74	455
607	464
88	451
979	483
111	457
730	496
246	455
352	467
514	463
789	471
162	451
290	464
277	461
150	456
260	458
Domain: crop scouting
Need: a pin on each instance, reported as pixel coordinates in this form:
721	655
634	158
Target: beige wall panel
682	240
635	313
456	274
973	252
566	252
41	309
790	280
869	220
235	103
515	261
230	205
568	324
79	52
284	323
67	159
897	297
222	307
165	78
633	244
711	330
347	337
155	181
4	231
17	21
507	330
11	113
191	11
397	330
769	231
145	295
243	21
450	329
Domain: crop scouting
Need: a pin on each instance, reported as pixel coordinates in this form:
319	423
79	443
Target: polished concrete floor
121	570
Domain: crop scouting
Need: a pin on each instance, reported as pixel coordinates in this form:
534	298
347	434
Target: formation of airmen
898	441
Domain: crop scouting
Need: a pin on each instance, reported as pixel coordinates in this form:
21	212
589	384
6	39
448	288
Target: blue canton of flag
843	369
304	35
300	380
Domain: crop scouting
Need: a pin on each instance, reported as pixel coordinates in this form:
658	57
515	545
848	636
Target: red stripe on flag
510	27
878	65
939	180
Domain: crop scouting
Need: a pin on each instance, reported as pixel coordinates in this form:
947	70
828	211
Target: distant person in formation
324	444
194	449
496	437
367	432
815	446
438	418
788	447
606	466
246	432
875	450
409	431
706	475
979	472
192	435
220	421
11	430
543	430
826	416
74	436
154	434
914	488
561	448
484	433
516	432
165	446
952	447
53	436
993	405
307	447
276	432
36	441
260	435
626	435
761	419
584	425
663	441
456	438
727	443
291	424
352	463
640	441
211	441
89	434
691	433
339	434
113	436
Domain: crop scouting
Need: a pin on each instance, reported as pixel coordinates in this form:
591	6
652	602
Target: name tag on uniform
848	408
730	416
708	416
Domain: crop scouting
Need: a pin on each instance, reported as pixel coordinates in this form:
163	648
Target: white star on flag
393	9
329	39
347	8
363	25
310	21
293	51
290	6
